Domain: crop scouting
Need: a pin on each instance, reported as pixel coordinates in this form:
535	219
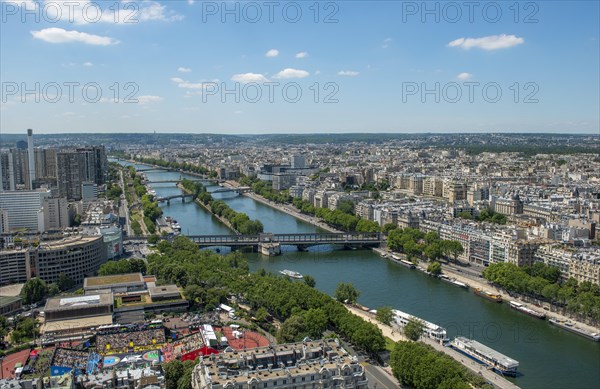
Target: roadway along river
549	357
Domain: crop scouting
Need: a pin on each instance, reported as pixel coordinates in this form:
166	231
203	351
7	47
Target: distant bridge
164	169
239	189
180	180
168	199
300	240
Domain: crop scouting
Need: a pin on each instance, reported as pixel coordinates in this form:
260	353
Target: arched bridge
301	240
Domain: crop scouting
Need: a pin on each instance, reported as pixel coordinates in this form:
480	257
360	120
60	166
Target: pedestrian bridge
301	240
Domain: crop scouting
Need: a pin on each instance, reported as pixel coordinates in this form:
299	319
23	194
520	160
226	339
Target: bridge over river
300	240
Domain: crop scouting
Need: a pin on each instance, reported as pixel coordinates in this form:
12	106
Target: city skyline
174	61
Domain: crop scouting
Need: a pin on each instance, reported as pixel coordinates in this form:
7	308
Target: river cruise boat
454	282
487	295
528	311
291	274
570	326
431	330
496	361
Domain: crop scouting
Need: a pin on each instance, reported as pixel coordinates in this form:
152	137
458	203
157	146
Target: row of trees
239	221
417	365
151	212
414	242
122	266
263	189
543	282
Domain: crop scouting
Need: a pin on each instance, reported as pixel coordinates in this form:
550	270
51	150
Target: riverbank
289	209
395	333
224	221
546	308
482	283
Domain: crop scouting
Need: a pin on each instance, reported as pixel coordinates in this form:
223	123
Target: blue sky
361	66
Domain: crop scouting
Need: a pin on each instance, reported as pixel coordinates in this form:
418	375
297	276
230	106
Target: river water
549	357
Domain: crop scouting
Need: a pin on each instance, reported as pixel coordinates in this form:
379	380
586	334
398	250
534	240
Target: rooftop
69	302
118	279
6	300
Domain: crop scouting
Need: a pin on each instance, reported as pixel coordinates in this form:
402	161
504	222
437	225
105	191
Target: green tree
310	280
364	225
315	320
34	290
346	206
261	315
173	371
153	239
53	290
64	282
465	215
293	329
414	329
389	227
346	293
385	315
193	293
435	268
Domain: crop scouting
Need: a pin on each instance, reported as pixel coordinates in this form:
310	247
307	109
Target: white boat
291	274
431	330
570	326
486	355
528	311
453	281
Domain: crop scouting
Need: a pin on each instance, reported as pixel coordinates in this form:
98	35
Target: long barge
431	330
487	295
569	326
496	361
454	282
404	262
528	311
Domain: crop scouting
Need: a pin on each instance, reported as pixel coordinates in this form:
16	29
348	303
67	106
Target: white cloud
348	73
317	72
183	70
272	53
492	42
153	10
291	73
88	64
302	54
147	99
59	35
464	76
386	43
190	2
181	83
245	78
